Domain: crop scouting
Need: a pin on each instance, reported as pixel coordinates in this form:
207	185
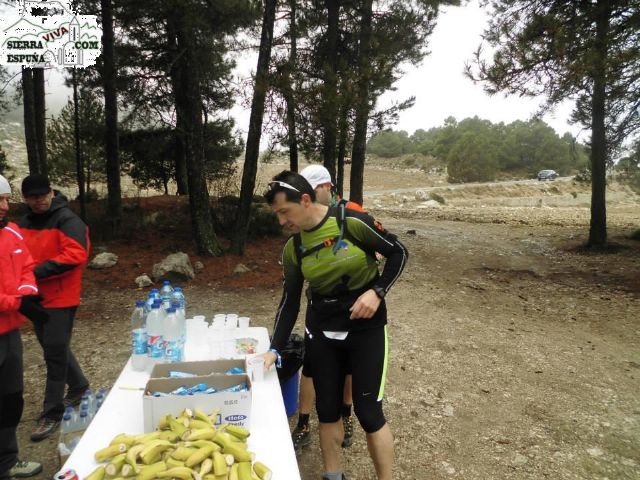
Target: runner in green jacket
346	314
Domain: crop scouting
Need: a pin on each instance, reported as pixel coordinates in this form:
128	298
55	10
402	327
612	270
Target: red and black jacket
16	276
59	243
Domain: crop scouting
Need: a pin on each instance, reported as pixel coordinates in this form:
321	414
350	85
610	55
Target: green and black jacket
337	259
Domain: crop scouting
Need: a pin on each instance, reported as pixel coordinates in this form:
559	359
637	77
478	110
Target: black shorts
307	371
364	353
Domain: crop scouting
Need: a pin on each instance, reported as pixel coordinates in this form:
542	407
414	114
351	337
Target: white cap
316	175
4	186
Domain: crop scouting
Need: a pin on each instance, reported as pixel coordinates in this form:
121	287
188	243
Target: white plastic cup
256	366
199	318
232	321
243	322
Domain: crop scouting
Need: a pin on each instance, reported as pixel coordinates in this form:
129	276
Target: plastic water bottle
166	291
173	332
178	296
149	302
84	420
156	294
68	425
155	341
138	338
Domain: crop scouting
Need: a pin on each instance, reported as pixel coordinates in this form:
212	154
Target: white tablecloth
122	413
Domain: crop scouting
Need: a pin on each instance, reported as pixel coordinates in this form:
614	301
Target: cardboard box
201	368
235	407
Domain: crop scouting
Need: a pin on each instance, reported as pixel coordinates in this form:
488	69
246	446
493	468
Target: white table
122	413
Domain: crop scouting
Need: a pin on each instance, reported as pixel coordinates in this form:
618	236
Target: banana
198	456
183	473
164	422
97	474
262	471
201	434
195	424
239	453
128	440
219	464
169	435
146	437
202	443
244	471
109	452
176	426
200	415
238	432
132	456
172	462
182	453
151	471
205	467
114	466
153	449
187	412
127	471
233	473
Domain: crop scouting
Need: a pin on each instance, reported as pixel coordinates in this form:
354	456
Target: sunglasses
274	183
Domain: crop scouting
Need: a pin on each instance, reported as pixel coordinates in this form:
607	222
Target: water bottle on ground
149	302
138	338
84	420
155	341
173	332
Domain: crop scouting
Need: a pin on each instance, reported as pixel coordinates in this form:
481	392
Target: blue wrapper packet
176	374
236	371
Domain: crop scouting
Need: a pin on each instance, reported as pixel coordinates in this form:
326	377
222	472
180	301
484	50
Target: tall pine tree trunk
79	160
342	147
190	107
362	106
30	132
39	108
598	228
330	90
289	92
179	132
114	193
250	169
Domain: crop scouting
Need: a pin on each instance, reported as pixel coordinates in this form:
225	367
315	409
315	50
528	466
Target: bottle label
156	345
173	352
139	341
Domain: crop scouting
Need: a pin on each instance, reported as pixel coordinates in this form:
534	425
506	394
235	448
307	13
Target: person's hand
31	307
365	306
269	359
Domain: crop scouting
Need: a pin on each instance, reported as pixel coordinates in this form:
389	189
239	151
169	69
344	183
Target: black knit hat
36	184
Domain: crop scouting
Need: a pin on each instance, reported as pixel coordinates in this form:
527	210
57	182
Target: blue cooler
290	394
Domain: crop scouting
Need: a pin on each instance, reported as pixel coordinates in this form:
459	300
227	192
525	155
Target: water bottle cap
139	303
155	305
166	282
154	290
66	416
84	406
69	409
175	304
177	289
171	310
83	413
85	396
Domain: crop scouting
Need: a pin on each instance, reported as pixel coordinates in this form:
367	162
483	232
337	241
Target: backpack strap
344	230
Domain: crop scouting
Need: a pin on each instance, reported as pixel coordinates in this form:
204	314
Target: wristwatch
380	292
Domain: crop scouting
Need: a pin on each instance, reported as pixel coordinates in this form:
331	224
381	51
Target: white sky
441	89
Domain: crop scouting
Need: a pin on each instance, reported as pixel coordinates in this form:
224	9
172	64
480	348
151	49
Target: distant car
547	175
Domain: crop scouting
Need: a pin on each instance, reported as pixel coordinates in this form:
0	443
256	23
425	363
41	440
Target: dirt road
512	355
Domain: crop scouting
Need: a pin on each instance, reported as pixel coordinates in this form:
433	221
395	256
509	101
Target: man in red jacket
18	296
59	242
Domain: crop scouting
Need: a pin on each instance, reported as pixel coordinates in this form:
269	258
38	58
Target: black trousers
11	402
62	367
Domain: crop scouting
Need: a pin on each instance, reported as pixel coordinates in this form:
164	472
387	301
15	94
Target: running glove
31	307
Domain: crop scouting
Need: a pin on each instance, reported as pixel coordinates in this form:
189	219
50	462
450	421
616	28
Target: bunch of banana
188	447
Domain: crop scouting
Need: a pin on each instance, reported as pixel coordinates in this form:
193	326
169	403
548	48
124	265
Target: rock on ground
175	267
103	260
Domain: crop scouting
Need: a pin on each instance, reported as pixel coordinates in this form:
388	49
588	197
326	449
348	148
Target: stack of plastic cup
243	322
231	320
